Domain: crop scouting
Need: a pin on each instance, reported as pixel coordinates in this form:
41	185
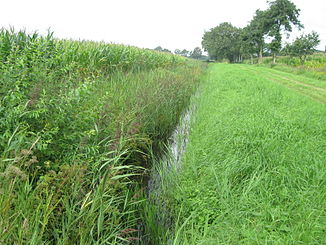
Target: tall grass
77	120
254	168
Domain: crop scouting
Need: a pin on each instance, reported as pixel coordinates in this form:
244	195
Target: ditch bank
157	217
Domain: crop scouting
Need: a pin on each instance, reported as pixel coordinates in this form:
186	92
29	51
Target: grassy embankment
314	67
254	168
77	121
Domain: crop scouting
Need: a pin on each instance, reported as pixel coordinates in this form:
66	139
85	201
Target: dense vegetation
78	121
254	168
314	67
303	46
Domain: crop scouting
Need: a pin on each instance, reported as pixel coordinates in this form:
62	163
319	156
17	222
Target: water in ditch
164	170
171	161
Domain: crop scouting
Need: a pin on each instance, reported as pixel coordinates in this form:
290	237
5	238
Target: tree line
196	53
262	35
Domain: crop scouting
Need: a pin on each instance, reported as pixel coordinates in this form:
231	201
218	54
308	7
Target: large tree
223	42
281	16
256	32
249	45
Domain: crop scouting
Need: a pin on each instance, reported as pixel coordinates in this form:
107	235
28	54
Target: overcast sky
145	23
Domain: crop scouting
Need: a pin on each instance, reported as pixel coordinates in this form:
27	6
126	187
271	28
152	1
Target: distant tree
303	46
184	53
226	41
158	48
223	42
166	51
196	53
281	15
177	51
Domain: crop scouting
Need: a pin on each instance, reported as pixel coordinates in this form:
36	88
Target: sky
171	24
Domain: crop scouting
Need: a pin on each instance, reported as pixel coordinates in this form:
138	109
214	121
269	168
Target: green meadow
254	168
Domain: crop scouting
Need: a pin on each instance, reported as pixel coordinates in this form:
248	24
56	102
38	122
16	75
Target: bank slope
78	121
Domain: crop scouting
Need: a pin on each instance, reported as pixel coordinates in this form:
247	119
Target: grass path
254	169
315	89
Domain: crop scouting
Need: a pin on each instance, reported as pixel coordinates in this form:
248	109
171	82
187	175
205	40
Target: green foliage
256	31
222	42
184	53
196	53
228	42
314	67
77	120
303	46
160	49
281	15
177	51
249	45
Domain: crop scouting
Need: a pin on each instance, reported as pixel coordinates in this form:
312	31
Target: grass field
254	169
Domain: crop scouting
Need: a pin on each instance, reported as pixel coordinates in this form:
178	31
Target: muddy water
175	150
179	140
171	162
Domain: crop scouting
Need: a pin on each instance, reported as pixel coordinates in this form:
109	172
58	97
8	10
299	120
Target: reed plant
77	121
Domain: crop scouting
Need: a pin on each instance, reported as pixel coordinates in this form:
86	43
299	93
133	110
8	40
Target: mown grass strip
254	169
318	84
306	87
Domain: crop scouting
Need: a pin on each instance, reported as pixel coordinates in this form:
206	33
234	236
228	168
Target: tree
256	32
280	16
177	51
228	42
158	48
166	51
248	44
223	42
303	46
196	53
184	53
